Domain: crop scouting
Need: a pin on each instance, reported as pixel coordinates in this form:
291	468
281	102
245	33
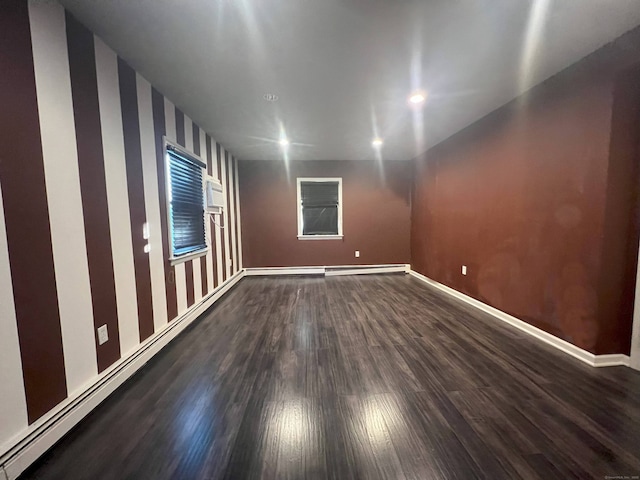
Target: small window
319	208
185	202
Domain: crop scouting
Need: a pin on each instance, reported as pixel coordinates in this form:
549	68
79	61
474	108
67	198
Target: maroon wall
376	213
538	199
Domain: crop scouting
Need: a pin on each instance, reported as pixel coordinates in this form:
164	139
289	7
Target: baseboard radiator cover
22	451
609	360
329	271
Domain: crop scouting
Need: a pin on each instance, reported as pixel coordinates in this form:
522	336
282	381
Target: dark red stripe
188	265
188	269
196	138
93	187
27	217
235	210
213	227
229	207
203	259
135	186
222	224
159	129
203	270
180	127
207	142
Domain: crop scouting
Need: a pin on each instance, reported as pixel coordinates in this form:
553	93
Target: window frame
166	143
299	214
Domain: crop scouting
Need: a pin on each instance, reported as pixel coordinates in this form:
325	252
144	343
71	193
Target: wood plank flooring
359	377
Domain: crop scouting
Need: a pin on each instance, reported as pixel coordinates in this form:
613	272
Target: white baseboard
365	270
568	348
46	431
611	360
284	271
328	271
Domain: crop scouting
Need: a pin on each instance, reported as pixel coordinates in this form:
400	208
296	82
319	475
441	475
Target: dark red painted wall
376	213
538	199
621	228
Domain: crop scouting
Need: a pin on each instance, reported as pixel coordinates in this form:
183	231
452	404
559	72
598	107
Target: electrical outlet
357	253
103	334
464	269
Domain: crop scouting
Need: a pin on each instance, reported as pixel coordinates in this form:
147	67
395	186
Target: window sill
188	256
319	237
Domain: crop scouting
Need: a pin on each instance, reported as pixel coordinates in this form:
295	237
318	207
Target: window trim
299	216
166	144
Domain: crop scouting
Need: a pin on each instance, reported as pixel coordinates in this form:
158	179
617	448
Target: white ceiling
341	66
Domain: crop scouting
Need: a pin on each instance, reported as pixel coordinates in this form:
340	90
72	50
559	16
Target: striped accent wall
82	169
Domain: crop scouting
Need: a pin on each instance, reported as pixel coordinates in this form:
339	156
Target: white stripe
170	120
215	160
238	222
225	214
197	284
218	230
13	403
210	240
151	202
115	172
232	217
180	277
55	109
197	263
181	287
188	134
197	279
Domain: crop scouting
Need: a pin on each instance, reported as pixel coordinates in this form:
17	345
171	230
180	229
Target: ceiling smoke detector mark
270	97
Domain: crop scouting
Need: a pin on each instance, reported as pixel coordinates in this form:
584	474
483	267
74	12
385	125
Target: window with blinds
319	209
185	202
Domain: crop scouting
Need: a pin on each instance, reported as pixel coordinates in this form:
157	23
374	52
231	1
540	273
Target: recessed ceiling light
270	97
284	142
377	142
417	98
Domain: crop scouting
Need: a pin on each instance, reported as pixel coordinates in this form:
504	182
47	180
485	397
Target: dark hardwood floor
356	377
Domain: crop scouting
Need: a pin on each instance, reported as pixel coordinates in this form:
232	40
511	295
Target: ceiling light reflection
417	98
293	428
284	144
381	418
533	39
377	144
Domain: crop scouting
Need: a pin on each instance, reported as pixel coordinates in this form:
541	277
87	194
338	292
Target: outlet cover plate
103	334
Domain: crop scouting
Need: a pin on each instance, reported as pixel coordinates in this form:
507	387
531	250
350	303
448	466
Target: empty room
319	239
